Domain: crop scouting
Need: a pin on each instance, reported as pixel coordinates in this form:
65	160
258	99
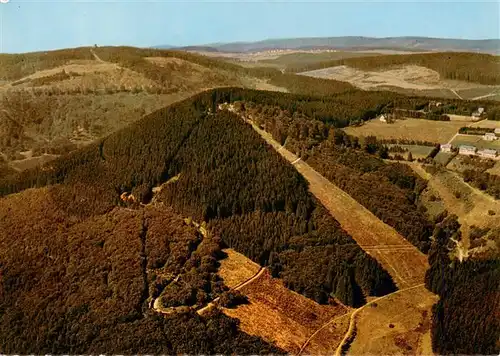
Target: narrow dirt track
365	228
239	286
352	321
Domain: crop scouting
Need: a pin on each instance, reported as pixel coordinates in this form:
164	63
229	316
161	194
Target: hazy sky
29	25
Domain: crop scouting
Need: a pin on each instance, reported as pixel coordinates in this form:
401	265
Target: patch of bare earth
286	318
236	268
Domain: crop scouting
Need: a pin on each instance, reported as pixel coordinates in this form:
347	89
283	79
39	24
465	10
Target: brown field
334	331
409	312
286	318
415	129
462	118
487	123
236	268
404	262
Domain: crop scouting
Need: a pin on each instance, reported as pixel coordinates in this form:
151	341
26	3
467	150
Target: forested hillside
82	286
466	320
226	175
472	67
16	66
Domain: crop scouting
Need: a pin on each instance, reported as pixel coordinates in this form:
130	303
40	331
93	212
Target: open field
416	150
403	261
479	92
413	129
398	324
491	124
236	268
286	318
475	140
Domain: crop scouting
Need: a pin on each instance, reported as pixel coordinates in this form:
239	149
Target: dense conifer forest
466	319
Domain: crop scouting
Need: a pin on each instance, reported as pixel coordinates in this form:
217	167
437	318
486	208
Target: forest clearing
282	316
408	129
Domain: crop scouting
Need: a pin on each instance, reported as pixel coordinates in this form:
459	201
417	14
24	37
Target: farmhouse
497	131
446	147
467	150
489	136
486	153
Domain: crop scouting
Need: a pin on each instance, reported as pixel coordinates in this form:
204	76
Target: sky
33	25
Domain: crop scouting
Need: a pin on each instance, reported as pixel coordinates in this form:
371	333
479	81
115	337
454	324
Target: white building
489	136
446	147
478	113
382	118
497	131
486	153
467	150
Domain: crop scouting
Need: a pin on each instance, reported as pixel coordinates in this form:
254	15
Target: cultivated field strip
404	262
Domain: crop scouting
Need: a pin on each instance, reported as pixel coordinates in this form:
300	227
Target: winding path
352	321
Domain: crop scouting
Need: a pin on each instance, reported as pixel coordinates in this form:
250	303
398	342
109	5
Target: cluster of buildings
469	150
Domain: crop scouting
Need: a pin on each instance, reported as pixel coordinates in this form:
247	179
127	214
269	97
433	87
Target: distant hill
491	46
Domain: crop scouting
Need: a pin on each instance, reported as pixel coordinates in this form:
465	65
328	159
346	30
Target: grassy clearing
488	124
236	268
412	129
286	318
416	150
472	93
398	324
